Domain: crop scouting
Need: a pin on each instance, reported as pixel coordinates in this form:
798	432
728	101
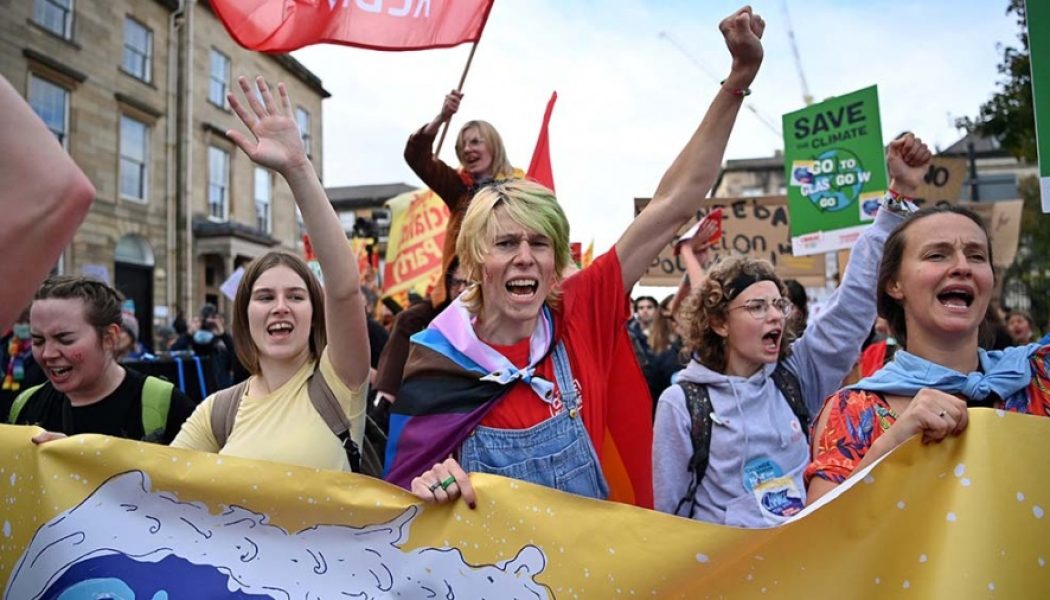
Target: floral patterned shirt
857	418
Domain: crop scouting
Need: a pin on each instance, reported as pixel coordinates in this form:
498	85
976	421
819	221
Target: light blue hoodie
758	448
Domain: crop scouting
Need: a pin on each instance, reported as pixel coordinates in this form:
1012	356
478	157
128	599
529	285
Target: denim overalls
556	453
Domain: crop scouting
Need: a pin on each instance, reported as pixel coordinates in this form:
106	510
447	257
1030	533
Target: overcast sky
628	98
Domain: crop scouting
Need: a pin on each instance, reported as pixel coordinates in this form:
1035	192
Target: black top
118	414
32	375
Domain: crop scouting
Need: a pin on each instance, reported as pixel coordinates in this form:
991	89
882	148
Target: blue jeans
556	453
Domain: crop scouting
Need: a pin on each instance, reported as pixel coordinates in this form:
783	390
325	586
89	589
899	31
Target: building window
134	158
55	16
51	103
263	195
138	50
218	183
218	78
302	118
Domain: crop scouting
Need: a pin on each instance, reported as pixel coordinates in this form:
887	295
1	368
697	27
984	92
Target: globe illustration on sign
837	180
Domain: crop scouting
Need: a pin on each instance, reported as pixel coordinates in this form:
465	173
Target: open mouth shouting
771	341
956	298
523	288
58	374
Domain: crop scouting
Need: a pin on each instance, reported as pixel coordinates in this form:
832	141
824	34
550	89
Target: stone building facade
131	87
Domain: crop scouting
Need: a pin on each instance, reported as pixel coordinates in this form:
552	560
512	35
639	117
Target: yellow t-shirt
283	426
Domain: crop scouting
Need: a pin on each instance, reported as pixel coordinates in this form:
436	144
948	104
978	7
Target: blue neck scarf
1005	372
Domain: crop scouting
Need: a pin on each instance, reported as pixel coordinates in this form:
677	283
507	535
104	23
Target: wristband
895	202
737	91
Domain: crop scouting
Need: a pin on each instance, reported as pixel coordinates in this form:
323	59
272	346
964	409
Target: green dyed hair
528	204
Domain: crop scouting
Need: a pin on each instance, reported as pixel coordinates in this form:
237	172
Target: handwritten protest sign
943	181
756	227
1004	226
835	169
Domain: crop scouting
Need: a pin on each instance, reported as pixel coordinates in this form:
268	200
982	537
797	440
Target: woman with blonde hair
483	160
730	436
289	333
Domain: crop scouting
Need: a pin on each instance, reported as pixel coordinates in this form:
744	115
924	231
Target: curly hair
708	306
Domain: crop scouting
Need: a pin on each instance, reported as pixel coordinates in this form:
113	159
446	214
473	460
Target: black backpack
698	402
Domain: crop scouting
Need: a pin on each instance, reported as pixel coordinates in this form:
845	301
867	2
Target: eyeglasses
457	282
759	307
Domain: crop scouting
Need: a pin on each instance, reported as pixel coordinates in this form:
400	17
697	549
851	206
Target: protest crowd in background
733	399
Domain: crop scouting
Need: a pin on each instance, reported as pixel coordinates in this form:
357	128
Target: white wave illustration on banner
128	530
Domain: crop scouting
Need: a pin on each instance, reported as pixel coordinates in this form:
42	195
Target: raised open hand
277	144
907	161
742	31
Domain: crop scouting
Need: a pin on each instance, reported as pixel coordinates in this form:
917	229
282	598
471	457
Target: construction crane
748	105
806	96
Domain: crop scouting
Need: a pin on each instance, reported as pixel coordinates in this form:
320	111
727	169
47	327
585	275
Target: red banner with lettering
286	25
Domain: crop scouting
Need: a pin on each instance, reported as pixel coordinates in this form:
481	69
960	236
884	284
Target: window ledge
54	65
57	36
145	82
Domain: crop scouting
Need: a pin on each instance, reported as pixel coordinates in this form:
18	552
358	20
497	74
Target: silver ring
434	487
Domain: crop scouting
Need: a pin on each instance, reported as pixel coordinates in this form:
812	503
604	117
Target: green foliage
1009	115
1030	271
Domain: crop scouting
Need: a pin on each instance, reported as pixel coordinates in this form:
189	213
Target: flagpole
459	88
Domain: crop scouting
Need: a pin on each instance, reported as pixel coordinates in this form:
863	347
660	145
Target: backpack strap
224	411
698	403
327	405
156	402
789	386
20	402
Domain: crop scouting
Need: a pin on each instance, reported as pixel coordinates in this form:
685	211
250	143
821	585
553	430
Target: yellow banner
414	248
92	515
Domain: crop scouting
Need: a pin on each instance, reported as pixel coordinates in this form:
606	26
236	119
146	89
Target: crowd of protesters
725	402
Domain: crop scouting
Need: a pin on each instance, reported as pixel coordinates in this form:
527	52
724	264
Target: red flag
286	25
540	168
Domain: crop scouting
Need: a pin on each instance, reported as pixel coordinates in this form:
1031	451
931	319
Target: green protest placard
835	169
1039	46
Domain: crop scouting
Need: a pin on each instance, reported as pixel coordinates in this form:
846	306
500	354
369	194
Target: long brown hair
661	333
243	344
